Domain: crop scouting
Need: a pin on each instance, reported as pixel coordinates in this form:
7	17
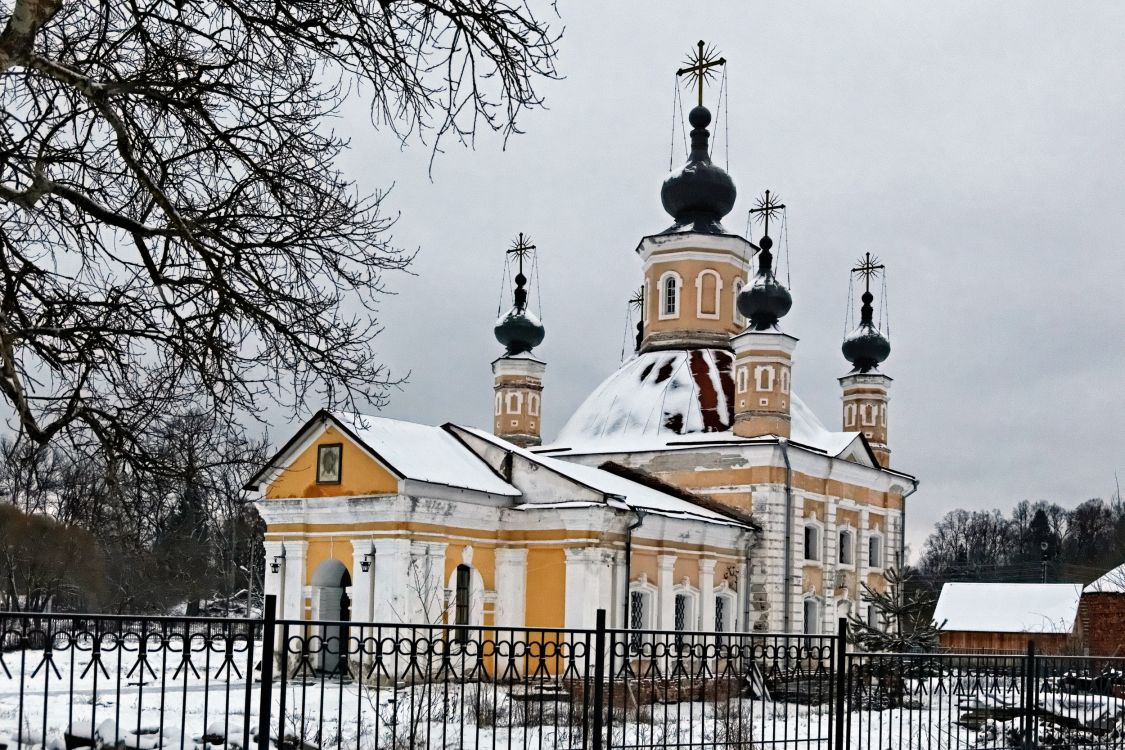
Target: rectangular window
636	617
874	552
872	617
845	551
811	619
681	617
811	543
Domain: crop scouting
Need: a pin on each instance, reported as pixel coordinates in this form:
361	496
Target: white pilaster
665	565
393	587
511	587
620	591
293	575
429	584
706	595
363	583
582	594
272	585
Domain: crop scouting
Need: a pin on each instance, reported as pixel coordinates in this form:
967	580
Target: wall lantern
275	566
365	563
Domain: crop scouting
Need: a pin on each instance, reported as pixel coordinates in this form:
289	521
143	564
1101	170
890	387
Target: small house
1003	617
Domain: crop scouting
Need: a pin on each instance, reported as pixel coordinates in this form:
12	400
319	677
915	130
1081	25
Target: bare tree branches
174	233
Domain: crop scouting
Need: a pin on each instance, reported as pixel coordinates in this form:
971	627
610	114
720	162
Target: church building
692	489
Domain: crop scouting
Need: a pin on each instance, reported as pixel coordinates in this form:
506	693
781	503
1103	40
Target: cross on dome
700	67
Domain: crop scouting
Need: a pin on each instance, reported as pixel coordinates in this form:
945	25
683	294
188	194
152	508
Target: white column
362	583
392	583
706	595
665	565
293	577
582	595
511	587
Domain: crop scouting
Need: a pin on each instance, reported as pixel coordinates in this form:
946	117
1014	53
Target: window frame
716	296
677	297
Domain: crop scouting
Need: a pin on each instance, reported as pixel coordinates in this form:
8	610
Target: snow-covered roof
1112	582
424	453
1009	607
664	399
631	494
419	452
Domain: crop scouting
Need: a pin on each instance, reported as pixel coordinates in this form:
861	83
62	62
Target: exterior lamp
365	563
275	565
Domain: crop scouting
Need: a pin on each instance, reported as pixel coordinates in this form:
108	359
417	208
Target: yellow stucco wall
359	473
545	605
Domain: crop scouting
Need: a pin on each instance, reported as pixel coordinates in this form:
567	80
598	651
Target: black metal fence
123	682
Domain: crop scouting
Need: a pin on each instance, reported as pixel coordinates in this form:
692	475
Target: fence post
599	678
1030	741
841	647
269	628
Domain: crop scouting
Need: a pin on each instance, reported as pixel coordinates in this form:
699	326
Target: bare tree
173	229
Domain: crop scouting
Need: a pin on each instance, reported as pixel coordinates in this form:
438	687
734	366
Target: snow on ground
173	706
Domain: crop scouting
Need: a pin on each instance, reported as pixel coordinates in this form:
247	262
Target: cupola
518	374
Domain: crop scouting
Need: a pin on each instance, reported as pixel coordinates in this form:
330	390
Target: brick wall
1103	622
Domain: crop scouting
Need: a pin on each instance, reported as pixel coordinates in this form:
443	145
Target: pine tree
903	622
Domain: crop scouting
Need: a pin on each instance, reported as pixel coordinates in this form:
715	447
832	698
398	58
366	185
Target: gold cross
699	66
868	266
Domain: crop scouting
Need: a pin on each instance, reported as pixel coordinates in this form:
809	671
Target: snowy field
170	704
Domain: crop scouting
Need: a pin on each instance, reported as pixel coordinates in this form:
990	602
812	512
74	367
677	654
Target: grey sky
975	147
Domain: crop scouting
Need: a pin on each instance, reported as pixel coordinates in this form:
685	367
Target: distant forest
1036	541
81	532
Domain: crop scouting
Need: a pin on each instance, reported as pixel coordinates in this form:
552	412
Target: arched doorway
331	584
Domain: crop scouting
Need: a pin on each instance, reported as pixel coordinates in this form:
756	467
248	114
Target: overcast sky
976	147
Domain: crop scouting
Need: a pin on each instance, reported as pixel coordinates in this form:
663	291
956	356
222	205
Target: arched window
844	551
812	542
849	415
708	287
743	379
725	612
683	612
499	404
763	375
669	295
883	415
462	602
867	414
811	622
640	613
514	402
739	319
533	404
785	380
875	551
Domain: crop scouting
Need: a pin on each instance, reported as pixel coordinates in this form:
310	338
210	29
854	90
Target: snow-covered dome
663	397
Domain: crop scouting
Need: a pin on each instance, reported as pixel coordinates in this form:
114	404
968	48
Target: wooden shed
1003	617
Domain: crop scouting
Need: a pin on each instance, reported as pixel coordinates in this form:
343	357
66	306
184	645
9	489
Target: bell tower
763	354
694	269
518	374
866	391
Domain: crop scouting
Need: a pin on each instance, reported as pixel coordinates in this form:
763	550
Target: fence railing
145	683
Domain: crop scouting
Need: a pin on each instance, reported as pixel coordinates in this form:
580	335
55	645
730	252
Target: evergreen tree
903	622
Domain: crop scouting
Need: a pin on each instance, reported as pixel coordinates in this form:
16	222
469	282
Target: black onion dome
699	194
866	347
519	331
766	300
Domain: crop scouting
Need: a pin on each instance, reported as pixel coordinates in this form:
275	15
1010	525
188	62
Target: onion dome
699	194
518	329
765	300
866	346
